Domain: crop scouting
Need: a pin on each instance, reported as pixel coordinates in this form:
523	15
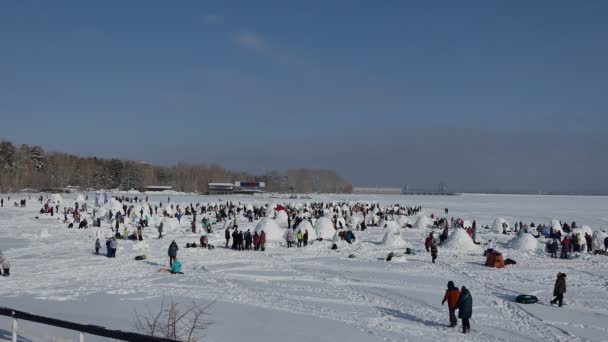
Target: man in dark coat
559	289
465	309
173	248
434	250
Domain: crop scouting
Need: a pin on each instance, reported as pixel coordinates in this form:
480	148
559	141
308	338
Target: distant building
236	188
220	188
158	188
249	187
376	190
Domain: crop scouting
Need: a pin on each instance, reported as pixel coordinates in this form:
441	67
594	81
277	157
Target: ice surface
312	293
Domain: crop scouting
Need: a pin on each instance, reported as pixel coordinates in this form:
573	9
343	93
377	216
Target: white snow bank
598	240
56	198
582	230
281	219
557	227
423	222
392	239
271	228
403	221
497	225
460	241
304	226
524	242
325	228
390	225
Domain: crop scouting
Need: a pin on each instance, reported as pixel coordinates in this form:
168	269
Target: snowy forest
30	167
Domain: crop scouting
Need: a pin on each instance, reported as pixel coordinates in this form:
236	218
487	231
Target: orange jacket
452	297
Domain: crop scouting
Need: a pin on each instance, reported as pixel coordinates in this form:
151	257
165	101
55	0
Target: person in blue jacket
176	268
465	309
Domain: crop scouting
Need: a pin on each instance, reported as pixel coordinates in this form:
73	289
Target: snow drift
523	242
497	225
271	228
460	241
392	239
325	228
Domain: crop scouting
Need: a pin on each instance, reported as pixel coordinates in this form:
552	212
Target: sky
482	95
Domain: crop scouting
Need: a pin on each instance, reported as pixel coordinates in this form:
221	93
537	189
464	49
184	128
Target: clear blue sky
485	95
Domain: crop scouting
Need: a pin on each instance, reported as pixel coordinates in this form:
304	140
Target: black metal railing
81	328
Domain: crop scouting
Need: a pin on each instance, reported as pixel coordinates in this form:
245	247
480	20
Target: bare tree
175	321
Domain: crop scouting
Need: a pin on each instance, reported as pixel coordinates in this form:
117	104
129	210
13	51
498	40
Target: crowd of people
342	215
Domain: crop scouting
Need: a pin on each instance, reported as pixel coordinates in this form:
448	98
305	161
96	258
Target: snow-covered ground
312	293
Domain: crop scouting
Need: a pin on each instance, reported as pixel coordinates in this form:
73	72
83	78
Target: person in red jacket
429	242
263	241
451	296
256	241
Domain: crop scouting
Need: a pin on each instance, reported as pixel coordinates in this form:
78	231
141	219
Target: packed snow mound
228	224
371	220
467	224
497	225
325	228
403	221
582	230
43	234
271	228
170	224
80	199
56	198
341	223
282	219
423	222
459	240
168	209
304	226
557	227
524	242
392	239
101	212
598	240
390	225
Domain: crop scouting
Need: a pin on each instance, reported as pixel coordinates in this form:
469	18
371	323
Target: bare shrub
176	321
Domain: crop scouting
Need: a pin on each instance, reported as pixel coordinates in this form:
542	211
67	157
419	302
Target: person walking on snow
465	309
452	294
434	250
172	252
97	246
428	242
113	247
5	265
559	289
289	238
160	230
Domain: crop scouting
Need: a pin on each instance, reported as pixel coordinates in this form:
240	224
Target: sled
163	270
141	257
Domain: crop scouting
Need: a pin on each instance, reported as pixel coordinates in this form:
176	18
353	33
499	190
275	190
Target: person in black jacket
559	289
465	309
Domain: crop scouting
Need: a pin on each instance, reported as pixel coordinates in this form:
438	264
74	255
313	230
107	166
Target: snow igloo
271	228
325	228
460	241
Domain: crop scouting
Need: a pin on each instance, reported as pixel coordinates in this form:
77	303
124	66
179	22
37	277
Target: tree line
30	167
